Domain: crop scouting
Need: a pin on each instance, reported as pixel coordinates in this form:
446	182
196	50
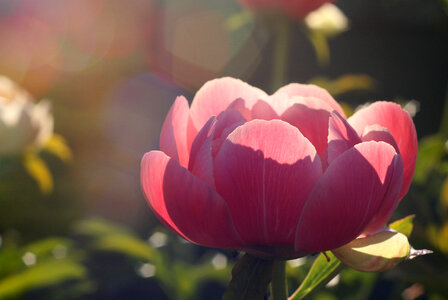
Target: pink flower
282	175
297	9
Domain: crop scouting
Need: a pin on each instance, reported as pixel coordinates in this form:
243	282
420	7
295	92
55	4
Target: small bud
379	252
328	20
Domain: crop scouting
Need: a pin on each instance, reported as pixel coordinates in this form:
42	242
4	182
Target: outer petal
341	136
400	125
311	117
310	90
216	95
185	203
348	196
175	138
265	170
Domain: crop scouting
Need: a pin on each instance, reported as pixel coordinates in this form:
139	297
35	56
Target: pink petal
216	95
177	132
265	170
227	122
185	203
311	117
378	133
348	196
399	123
208	142
341	136
310	90
240	105
263	111
201	160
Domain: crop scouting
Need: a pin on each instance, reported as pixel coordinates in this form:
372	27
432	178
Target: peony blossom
280	175
296	9
23	123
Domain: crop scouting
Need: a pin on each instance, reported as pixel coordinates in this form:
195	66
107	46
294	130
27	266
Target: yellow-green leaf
40	276
322	271
345	83
57	146
38	170
404	225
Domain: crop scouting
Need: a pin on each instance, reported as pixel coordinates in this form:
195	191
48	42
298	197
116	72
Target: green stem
278	283
281	53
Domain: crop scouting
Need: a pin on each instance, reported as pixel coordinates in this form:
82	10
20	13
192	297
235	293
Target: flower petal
201	160
177	132
379	133
216	95
399	123
348	196
341	136
185	203
310	90
265	171
263	111
311	117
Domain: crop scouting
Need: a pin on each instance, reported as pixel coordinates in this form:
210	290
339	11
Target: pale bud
328	20
23	123
375	253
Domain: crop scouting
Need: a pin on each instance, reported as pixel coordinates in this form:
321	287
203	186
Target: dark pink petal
185	203
263	111
311	117
208	142
310	90
201	161
265	171
227	122
240	105
216	95
378	133
174	138
399	123
348	196
341	136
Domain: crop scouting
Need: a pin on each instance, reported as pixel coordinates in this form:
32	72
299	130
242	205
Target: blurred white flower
328	20
23	122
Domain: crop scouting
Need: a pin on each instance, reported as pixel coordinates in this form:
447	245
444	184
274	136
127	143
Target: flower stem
281	53
278	283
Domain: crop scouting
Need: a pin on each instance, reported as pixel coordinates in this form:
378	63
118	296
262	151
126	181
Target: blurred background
73	221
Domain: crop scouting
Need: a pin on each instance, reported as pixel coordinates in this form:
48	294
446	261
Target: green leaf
321	272
41	276
430	152
404	225
250	279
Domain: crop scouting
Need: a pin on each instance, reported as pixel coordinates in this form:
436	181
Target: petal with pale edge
265	171
310	116
185	203
216	95
379	252
341	136
310	90
348	196
177	132
399	123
